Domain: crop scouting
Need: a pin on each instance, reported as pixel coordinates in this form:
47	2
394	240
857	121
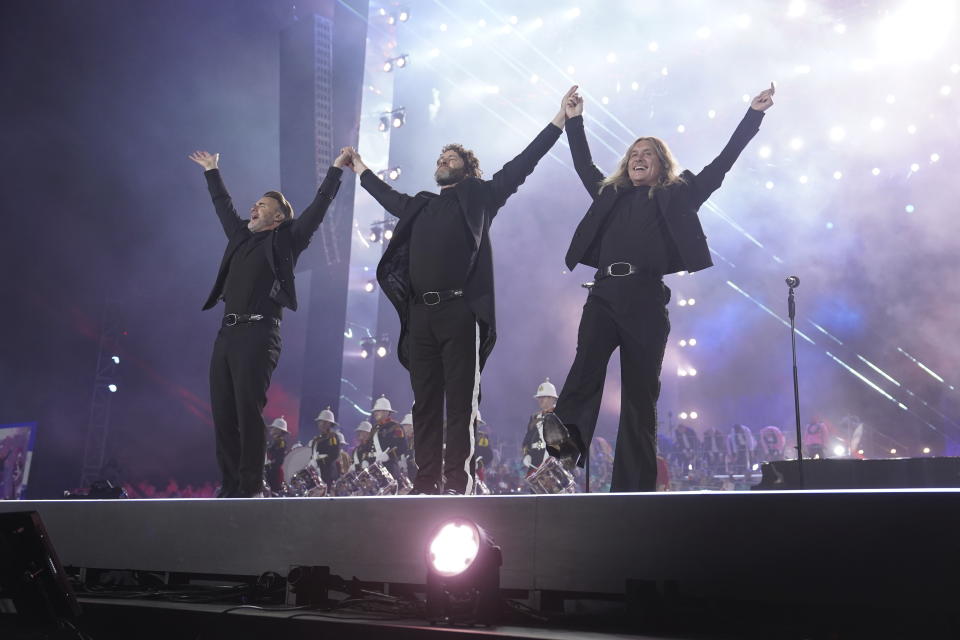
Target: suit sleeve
711	177
393	201
505	182
306	225
589	174
223	203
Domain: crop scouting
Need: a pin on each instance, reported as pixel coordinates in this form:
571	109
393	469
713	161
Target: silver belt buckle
630	270
431	293
230	320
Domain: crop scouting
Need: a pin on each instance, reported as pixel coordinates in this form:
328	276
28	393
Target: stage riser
578	543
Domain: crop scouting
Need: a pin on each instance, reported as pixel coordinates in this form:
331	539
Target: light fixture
839	450
384	122
393	173
116	359
369	286
463	574
404	15
112	388
366	347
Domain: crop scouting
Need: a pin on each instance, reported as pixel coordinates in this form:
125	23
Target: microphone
793	282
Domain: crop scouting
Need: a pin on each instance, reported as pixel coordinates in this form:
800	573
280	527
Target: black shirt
637	233
440	246
249	278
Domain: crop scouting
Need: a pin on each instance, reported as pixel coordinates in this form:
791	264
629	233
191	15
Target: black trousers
444	370
629	313
244	357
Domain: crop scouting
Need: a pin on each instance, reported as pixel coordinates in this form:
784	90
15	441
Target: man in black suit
641	225
438	273
255	282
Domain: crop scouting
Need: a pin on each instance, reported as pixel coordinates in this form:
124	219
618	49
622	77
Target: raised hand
562	116
764	99
355	162
574	105
205	159
345	159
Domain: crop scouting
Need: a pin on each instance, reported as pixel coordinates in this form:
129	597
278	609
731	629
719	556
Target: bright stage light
934	157
571	70
388	65
382	351
829	225
914	167
712	114
443	27
839	450
463	574
664	71
691	301
681	302
893	451
681	128
116	359
387	234
837	133
859	452
692	342
683	343
605	100
926	449
764	152
683	415
694	415
768	184
909	208
796	9
911	129
837	175
393	174
112	388
803	179
875	171
691	371
912	32
404	16
796	143
681	372
877	124
634	85
369	286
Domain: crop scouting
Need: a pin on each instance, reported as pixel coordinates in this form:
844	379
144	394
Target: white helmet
407	419
364	426
279	423
326	415
382	404
546	390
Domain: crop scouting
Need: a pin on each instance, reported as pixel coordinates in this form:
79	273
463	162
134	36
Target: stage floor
581	543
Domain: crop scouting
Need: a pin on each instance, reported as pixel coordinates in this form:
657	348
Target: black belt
433	298
232	319
623	269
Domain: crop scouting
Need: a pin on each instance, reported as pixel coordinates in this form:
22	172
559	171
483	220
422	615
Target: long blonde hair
669	168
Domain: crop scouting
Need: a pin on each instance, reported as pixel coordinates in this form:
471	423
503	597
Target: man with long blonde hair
642	224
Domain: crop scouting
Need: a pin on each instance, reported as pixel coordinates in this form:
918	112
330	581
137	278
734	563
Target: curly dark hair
470	163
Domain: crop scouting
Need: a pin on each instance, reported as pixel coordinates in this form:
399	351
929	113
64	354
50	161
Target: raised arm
222	202
390	199
307	223
589	174
505	182
711	177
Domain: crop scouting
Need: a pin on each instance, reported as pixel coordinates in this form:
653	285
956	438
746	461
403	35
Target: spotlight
909	208
374	235
691	302
681	372
112	388
683	343
764	152
401	62
837	175
382	351
384	122
893	452
926	449
366	347
392	20
877	124
388	234
393	173
398	118
683	415
388	65
691	371
692	342
839	450
463	574
914	167
116	359
370	286
682	302
694	415
404	15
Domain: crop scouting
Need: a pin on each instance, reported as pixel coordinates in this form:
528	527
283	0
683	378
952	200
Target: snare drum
301	475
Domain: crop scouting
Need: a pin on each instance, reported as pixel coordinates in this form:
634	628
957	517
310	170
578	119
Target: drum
301	475
551	477
347	485
375	480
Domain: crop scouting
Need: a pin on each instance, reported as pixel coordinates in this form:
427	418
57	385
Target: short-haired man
255	282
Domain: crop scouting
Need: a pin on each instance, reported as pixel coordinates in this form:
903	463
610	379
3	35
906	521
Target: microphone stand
792	283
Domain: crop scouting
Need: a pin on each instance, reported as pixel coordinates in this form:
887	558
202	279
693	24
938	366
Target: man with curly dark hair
438	273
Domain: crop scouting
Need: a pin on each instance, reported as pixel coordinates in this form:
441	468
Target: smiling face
265	214
643	164
450	169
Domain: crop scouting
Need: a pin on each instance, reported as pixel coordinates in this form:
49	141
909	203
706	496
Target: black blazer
288	242
479	202
679	203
